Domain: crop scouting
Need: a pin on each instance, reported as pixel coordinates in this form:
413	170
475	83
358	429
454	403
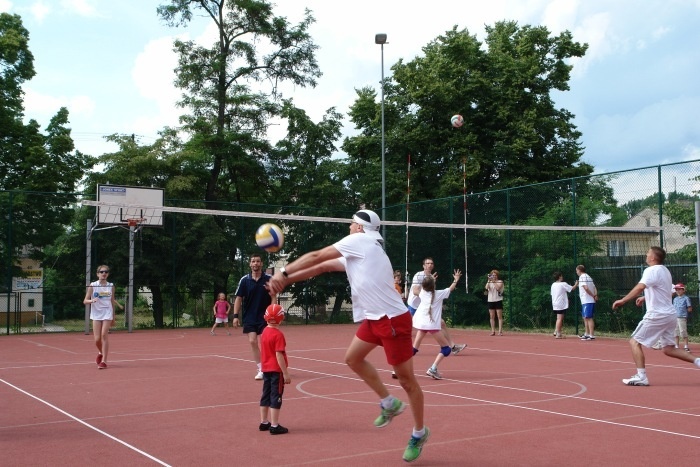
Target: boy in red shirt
273	359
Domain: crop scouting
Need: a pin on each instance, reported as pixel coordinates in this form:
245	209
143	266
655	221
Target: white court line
489	402
133	448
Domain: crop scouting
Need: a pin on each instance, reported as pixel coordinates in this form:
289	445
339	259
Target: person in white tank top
100	297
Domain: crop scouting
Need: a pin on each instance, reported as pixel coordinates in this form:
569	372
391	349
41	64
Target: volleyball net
525	255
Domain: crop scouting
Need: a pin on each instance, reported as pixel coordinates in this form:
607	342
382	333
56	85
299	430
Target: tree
39	172
229	116
513	134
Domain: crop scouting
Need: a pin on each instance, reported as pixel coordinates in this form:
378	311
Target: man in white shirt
589	295
384	319
659	322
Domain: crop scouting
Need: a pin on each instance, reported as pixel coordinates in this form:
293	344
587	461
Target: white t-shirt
657	297
585	279
421	319
413	299
102	309
371	278
560	299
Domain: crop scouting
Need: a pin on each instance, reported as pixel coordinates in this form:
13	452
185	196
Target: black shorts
273	388
256	328
559	312
496	305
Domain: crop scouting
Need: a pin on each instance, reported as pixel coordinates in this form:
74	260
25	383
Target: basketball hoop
136	221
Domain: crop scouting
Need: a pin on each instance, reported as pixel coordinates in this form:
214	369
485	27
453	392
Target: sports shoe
558	336
415	446
393	375
657	346
101	366
584	337
278	430
212	333
433	373
265	426
259	376
636	380
590	338
457	348
687	349
387	414
98	359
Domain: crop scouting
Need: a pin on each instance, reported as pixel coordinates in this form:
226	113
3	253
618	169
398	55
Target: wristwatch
284	272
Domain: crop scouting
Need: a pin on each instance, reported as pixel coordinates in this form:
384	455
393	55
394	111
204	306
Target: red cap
274	314
679	286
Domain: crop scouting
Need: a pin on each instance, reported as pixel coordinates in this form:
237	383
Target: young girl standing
428	316
222	307
100	297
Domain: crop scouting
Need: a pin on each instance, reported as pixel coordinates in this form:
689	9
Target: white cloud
40	11
81	7
42	107
5	6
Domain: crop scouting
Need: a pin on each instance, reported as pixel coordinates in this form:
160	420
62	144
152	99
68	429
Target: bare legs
100	330
355	357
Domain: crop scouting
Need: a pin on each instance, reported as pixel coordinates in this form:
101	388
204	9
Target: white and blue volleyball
269	237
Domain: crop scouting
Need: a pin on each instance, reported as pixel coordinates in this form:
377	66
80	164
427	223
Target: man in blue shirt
253	298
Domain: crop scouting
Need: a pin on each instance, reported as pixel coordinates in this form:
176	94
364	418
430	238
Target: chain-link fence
179	269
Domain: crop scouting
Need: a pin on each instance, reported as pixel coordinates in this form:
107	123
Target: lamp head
380	38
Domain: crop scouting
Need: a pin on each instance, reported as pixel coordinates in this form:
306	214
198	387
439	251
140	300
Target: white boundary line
133	448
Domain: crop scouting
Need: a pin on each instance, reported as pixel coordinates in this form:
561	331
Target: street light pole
381	40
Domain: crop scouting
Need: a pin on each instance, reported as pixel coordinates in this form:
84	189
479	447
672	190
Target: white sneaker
457	348
259	376
433	373
636	380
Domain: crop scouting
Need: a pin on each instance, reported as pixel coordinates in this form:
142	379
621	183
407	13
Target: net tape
295	217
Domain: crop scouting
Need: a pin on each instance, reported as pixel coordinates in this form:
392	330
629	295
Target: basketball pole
130	291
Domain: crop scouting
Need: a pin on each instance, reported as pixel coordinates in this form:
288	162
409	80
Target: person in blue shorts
589	295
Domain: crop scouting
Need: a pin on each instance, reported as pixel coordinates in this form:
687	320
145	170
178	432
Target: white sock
419	433
259	366
388	402
642	372
697	362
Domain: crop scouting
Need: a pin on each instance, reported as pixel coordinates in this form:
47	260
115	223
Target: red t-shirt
272	341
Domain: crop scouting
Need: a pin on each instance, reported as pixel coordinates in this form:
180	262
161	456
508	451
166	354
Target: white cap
370	222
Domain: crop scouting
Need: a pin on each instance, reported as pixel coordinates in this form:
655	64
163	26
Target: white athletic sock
697	362
388	402
259	365
419	433
642	372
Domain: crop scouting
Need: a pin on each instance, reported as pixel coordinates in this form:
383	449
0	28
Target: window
617	248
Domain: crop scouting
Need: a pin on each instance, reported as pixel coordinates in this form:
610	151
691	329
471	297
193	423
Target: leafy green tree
306	174
513	133
39	172
222	82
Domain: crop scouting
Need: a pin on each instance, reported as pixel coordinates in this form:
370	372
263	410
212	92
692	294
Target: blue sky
635	93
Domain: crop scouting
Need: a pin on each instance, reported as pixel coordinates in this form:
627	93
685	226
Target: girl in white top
428	315
100	297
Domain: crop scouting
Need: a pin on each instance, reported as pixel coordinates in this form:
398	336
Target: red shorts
394	334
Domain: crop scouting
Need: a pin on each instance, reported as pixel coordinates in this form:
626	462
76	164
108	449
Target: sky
635	95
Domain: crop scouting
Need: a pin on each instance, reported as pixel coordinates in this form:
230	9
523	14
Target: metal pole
130	291
383	154
697	240
88	268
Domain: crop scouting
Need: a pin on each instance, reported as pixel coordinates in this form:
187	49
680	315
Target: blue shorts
587	310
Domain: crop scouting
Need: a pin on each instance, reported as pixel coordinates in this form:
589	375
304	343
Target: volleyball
457	121
269	237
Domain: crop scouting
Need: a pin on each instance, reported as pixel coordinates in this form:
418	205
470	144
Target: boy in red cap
273	359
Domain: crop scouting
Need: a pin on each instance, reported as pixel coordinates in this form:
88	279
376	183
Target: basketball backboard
122	203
